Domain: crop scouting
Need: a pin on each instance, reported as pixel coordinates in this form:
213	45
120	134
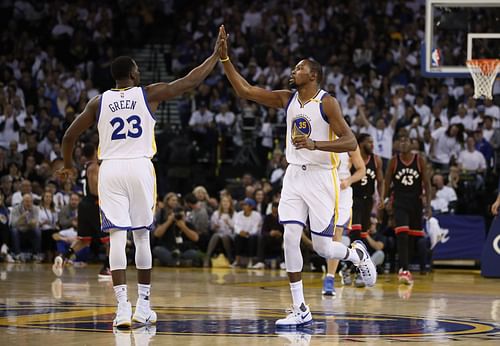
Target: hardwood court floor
236	306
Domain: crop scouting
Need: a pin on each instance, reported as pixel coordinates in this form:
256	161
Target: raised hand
223	43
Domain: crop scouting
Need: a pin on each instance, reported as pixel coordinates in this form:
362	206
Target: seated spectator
198	216
484	147
270	239
204	200
25	188
68	216
64	239
471	160
261	202
13	155
463	118
222	226
247	228
9	127
375	242
24	222
224	120
445	197
6	189
4	230
175	240
48	224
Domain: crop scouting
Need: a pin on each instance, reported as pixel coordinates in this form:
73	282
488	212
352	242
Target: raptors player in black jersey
89	223
363	190
407	179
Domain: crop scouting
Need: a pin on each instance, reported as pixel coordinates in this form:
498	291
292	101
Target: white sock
121	293
352	255
297	293
330	275
144	291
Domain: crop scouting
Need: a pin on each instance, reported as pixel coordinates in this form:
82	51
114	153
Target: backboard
457	31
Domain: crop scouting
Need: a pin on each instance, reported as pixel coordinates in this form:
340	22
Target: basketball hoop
483	73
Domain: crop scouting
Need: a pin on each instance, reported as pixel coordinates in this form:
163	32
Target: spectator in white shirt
472	160
445	144
438	114
493	110
423	110
222	226
488	129
224	120
201	119
24	188
445	196
246	227
351	110
463	118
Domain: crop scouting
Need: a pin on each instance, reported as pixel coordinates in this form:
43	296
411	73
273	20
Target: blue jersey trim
289	101
144	93
99	108
150	227
322	111
282	222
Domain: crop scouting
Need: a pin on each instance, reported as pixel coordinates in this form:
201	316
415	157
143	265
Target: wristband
224	60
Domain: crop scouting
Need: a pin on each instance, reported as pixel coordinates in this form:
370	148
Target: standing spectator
246	227
25	227
9	127
222	224
445	145
463	118
381	133
224	120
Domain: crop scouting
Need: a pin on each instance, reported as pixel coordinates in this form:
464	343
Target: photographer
175	239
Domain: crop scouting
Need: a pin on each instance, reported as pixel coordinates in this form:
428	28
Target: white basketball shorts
345	207
127	194
310	191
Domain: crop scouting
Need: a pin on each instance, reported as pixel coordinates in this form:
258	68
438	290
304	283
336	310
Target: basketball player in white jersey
347	160
315	131
127	187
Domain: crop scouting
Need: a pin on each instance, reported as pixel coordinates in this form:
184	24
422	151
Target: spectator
9	127
222	225
445	198
4	230
48	224
471	160
25	228
224	120
13	155
463	118
446	144
68	215
176	240
246	227
25	188
484	147
204	200
270	239
261	202
198	216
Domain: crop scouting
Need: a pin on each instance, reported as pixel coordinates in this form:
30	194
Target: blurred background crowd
220	167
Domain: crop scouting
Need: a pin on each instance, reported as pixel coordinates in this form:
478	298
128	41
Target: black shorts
361	213
408	216
89	221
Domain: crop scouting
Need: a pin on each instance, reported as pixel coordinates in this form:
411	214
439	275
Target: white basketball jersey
308	119
343	170
125	125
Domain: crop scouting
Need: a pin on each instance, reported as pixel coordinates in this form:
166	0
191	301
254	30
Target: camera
179	213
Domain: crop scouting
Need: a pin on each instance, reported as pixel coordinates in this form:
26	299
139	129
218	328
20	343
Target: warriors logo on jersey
301	126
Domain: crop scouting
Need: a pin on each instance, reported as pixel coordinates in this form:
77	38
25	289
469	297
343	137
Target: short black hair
315	66
121	67
362	137
190	199
88	150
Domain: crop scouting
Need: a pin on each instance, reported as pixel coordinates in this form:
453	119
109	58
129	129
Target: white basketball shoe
143	313
123	315
366	267
297	317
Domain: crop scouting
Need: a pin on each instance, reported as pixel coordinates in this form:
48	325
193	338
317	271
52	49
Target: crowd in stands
55	56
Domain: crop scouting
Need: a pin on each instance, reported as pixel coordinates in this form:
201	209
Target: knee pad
143	257
293	256
117	255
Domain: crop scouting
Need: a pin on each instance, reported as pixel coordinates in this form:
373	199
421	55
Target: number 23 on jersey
120	132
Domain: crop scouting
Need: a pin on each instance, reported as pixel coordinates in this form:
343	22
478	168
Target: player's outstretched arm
159	92
84	121
275	99
346	140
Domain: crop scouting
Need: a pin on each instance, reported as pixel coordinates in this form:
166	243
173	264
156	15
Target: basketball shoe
366	267
143	313
123	315
57	267
297	317
329	286
405	277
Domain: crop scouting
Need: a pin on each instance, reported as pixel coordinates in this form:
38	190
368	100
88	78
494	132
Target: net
483	73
